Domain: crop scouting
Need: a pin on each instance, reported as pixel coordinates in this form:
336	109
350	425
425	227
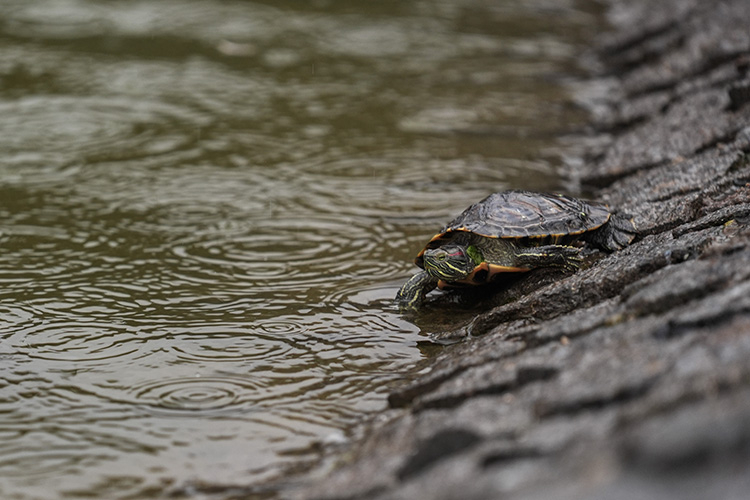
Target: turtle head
449	262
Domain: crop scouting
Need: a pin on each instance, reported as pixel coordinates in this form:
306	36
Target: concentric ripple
60	130
76	340
196	394
278	252
258	343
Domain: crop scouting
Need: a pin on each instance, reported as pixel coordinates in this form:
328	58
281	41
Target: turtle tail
616	234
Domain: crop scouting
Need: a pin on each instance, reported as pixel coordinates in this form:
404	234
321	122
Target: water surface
207	206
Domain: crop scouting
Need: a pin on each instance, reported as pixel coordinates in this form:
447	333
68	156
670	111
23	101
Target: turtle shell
554	218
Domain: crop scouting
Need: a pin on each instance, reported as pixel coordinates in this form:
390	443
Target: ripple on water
38	460
275	252
61	130
391	186
55	19
75	340
12	318
190	395
261	342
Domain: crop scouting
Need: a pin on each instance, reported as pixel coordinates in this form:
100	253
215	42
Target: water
207	206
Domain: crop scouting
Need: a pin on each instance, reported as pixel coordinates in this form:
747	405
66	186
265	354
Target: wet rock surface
629	378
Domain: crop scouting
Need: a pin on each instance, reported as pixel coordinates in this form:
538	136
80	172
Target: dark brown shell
524	214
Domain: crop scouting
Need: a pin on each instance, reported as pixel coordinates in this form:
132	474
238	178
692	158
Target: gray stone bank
630	378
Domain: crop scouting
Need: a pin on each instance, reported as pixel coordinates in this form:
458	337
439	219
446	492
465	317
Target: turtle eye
441	256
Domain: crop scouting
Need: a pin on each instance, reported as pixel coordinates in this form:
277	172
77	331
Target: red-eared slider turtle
512	231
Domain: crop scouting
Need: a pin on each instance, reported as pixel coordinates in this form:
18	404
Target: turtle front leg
412	293
549	256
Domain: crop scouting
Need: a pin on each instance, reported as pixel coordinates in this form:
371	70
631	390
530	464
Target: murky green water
206	207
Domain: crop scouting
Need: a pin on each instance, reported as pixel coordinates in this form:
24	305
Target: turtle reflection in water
513	231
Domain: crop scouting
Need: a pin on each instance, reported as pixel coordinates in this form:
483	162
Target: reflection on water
207	206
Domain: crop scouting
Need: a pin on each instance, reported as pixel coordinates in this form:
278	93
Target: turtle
510	232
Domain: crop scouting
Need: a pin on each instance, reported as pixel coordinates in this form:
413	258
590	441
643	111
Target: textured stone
687	126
